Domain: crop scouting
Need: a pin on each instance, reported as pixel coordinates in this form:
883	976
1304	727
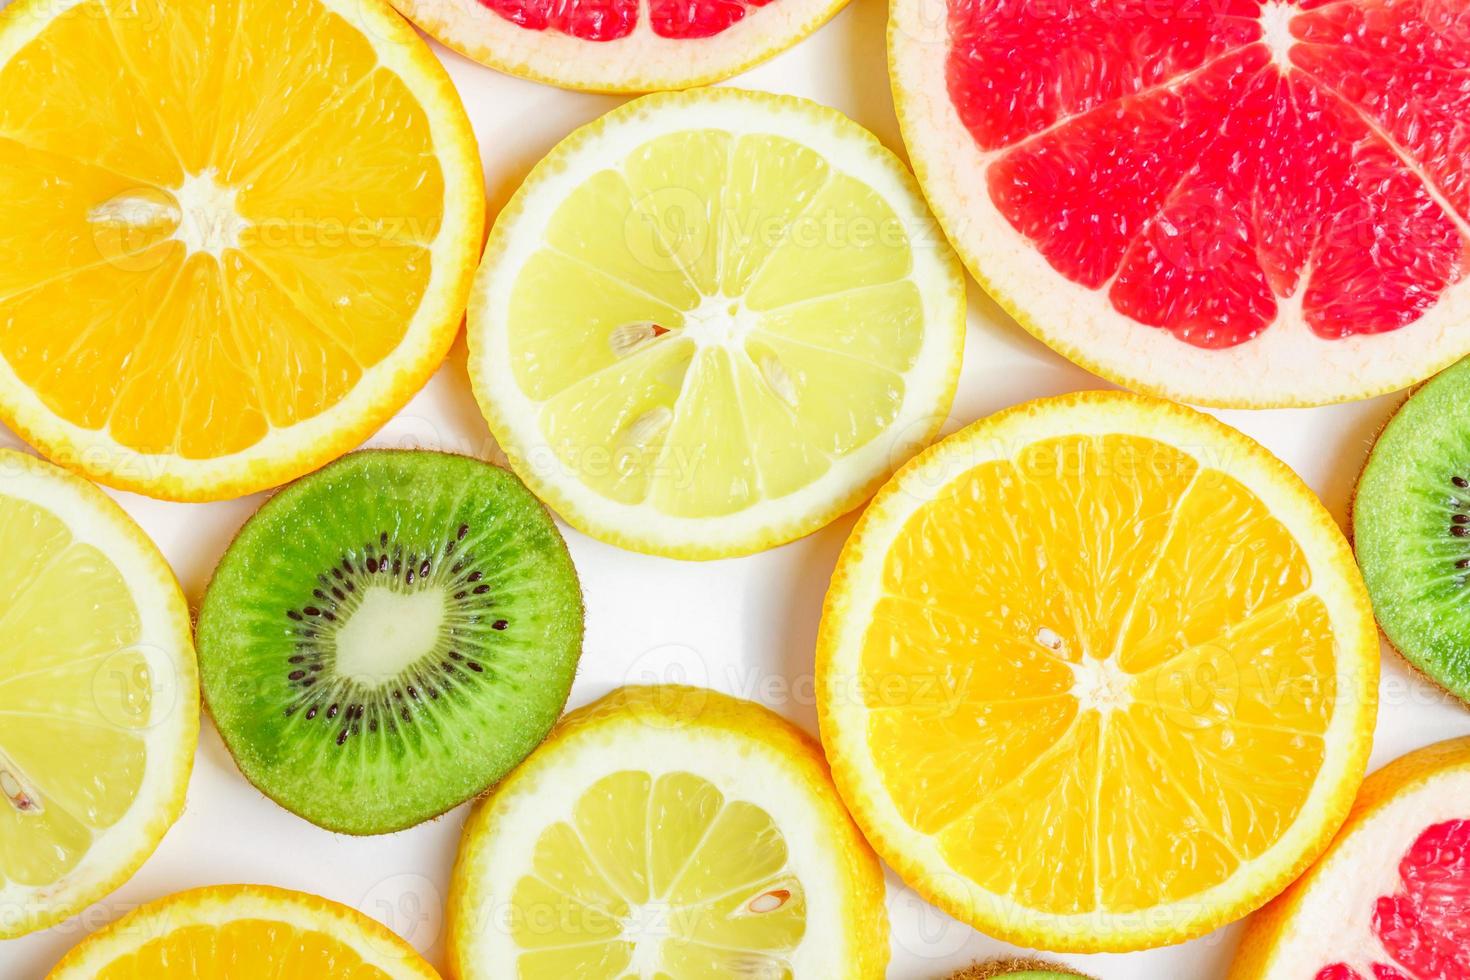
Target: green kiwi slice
1411	529
1016	970
388	637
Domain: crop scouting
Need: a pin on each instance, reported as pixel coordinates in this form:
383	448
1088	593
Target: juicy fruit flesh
390	636
714	321
610	20
75	696
227	206
1112	696
1411	523
656	878
1424	927
1217	167
242	948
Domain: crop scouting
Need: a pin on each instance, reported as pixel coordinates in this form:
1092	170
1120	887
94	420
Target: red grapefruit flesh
1237	202
620	45
1425	925
1390	900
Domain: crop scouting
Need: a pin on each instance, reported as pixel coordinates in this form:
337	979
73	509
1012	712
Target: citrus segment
1097	673
620	45
255	223
231	931
663	857
98	696
1197	198
710	322
1390	900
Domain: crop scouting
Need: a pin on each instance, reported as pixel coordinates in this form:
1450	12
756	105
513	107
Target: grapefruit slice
620	45
1390	900
1228	202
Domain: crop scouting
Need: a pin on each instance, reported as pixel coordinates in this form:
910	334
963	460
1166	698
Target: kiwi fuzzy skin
1354	535
385	827
1024	969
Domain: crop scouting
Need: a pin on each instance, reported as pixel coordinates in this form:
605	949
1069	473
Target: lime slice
99	697
711	322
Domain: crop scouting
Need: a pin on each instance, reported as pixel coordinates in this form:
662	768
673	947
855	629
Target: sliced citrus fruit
1390	900
620	45
1097	673
711	322
233	932
663	832
1244	202
239	235
99	695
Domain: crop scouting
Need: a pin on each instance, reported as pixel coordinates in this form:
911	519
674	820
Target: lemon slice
238	235
99	695
243	932
667	832
711	322
1097	673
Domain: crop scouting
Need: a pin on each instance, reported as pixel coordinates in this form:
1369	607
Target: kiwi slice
388	637
1411	529
1016	970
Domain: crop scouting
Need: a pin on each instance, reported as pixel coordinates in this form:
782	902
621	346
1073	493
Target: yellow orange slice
663	832
233	932
99	695
239	235
1097	673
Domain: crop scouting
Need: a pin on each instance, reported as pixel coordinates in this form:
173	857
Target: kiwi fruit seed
388	637
1411	529
1016	970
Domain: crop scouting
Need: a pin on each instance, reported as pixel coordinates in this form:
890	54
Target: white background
745	626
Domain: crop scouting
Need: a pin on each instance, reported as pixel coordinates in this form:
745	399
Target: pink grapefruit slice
1390	900
1228	202
620	45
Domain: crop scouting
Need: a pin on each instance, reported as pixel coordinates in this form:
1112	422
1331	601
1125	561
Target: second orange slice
1097	673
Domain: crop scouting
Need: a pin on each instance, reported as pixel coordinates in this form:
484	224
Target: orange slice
239	235
1097	673
230	932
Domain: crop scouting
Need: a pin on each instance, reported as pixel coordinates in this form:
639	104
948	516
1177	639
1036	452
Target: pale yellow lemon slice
667	832
711	322
99	695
